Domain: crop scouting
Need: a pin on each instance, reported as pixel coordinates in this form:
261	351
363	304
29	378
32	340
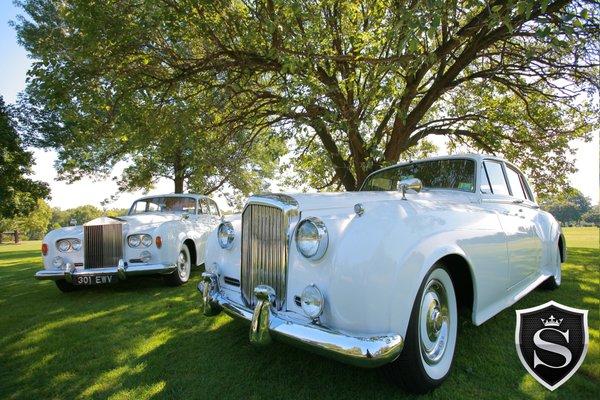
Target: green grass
582	237
140	339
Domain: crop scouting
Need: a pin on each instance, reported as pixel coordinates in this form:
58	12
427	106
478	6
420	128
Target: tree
81	215
592	216
567	206
97	113
18	194
36	223
369	81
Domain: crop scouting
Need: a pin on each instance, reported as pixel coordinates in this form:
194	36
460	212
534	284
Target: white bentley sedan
376	277
160	235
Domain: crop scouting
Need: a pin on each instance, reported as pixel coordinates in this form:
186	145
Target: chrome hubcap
182	263
434	322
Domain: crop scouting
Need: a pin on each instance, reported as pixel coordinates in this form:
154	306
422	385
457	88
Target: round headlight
312	238
145	256
63	246
58	262
146	240
312	301
134	240
76	244
225	234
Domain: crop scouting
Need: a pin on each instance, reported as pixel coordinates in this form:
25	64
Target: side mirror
410	184
185	215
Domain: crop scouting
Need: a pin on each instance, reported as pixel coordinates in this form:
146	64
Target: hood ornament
359	209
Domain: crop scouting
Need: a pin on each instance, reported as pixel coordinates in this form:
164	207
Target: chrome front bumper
265	322
121	271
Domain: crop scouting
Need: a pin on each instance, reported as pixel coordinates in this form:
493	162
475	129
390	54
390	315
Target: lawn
140	339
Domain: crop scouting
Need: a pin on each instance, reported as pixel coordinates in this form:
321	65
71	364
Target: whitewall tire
428	353
184	268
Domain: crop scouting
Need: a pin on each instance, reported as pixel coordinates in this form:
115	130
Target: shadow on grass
141	339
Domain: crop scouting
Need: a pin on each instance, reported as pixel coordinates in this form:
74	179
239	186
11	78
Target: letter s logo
551	347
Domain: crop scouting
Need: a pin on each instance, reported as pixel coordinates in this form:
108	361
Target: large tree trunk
178	172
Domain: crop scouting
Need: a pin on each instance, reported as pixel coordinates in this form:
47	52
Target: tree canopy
351	86
18	193
567	206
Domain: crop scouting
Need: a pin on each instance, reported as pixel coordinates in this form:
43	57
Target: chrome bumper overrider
121	271
266	322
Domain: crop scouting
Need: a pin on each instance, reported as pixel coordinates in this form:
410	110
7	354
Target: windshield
164	205
453	174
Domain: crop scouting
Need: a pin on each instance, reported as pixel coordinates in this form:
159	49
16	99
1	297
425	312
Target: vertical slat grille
264	251
103	245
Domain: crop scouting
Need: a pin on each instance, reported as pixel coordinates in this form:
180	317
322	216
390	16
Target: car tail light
158	241
44	249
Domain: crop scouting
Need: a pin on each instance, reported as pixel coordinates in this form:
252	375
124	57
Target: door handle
506	212
518	201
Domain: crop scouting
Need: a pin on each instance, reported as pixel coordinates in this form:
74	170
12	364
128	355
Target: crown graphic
552	321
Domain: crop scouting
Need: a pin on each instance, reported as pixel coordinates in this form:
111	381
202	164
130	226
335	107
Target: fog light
145	256
58	262
312	301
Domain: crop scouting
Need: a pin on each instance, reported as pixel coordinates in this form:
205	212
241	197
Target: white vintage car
160	235
377	277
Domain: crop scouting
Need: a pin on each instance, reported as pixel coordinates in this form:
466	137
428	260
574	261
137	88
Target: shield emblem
552	341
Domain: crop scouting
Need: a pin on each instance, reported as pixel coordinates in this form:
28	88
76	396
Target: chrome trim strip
121	271
363	351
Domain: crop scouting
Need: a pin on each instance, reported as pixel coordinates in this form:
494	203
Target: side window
515	183
526	187
214	210
495	175
204	206
139	207
486	187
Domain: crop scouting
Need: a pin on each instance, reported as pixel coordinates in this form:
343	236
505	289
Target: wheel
555	280
184	268
65	286
428	352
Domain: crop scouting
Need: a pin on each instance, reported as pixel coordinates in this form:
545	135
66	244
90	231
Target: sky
14	64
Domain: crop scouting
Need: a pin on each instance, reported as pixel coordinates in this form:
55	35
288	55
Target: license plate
89	280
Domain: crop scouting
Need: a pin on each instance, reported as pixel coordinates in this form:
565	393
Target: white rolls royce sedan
163	234
376	277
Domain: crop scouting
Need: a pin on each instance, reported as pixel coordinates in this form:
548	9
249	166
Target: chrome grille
264	251
102	245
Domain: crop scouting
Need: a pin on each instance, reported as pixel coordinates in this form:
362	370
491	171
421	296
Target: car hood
139	222
330	200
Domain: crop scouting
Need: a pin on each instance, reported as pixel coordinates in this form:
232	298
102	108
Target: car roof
472	156
193	195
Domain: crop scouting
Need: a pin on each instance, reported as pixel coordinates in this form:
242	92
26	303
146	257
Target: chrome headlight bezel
312	248
225	235
146	240
63	245
139	240
134	241
72	244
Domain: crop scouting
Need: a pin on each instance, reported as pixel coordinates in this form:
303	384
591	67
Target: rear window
453	174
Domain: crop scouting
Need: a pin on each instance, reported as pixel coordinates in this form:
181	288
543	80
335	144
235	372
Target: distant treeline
572	208
45	218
